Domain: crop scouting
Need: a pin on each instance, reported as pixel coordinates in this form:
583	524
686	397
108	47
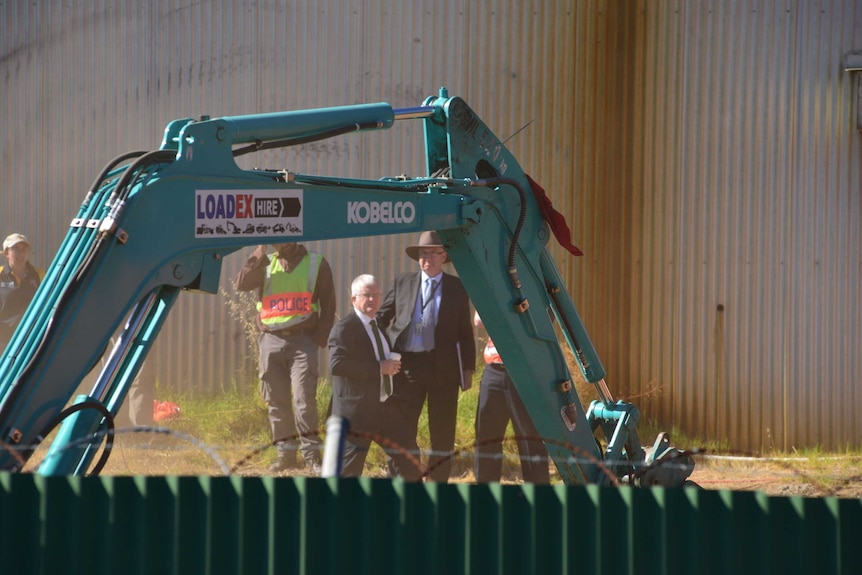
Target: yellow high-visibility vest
287	297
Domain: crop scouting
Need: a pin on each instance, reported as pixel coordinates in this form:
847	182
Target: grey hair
360	282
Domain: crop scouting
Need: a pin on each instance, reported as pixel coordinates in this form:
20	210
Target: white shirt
366	321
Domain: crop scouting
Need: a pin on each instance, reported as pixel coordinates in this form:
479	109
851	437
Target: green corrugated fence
189	525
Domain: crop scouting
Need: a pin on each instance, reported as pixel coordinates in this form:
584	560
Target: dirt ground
824	476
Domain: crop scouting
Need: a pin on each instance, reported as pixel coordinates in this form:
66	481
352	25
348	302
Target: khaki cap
13	240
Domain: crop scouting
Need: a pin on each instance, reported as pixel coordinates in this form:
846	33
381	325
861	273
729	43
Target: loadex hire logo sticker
248	213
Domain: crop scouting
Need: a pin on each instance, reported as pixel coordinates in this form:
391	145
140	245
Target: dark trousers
386	427
288	385
416	384
499	403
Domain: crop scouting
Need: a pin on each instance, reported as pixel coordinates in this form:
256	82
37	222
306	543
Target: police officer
296	310
499	403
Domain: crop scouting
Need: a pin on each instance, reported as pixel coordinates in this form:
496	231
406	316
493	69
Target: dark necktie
387	379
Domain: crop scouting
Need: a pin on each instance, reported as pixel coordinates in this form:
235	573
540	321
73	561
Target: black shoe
284	463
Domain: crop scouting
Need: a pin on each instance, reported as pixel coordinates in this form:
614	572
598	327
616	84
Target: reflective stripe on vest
490	354
287	297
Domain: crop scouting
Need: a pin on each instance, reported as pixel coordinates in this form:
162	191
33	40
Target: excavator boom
158	223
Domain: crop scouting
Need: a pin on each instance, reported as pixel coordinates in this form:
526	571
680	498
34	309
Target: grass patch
235	419
228	432
236	415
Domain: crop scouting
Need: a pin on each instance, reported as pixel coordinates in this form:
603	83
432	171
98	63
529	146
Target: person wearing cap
19	280
296	311
427	316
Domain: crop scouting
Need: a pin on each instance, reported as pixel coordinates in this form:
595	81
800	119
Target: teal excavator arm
157	223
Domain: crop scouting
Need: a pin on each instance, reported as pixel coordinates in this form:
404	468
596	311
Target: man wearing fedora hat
427	314
18	283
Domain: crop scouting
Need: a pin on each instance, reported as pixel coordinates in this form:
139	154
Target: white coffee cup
395	356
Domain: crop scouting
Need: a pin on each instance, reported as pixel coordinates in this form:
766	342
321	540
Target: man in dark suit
362	366
427	314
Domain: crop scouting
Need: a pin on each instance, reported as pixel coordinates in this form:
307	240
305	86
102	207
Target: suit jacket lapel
444	281
412	293
361	335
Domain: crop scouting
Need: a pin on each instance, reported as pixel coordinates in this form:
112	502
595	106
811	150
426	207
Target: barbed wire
84	441
389	447
577	456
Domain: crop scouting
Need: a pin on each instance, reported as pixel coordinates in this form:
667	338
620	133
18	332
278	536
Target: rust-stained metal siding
703	153
745	221
93	81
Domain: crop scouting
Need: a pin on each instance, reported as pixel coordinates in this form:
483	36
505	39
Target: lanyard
422	301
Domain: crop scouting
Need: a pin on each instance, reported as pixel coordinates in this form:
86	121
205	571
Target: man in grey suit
362	366
427	314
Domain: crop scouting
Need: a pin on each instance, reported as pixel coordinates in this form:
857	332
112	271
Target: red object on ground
165	410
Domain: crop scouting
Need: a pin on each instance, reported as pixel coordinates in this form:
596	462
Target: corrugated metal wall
703	153
746	205
213	525
83	83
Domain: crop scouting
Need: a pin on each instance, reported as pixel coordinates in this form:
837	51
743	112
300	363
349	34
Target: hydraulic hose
522	218
97	183
88	404
261	145
119	196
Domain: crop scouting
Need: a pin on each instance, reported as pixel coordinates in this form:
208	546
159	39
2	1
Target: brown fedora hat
428	239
